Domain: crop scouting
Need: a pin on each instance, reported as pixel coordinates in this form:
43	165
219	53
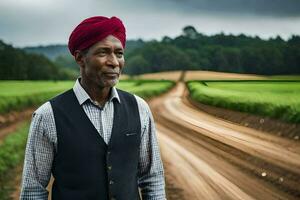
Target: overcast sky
42	22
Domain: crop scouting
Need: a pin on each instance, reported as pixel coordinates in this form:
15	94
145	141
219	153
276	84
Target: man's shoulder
61	96
44	110
141	102
143	106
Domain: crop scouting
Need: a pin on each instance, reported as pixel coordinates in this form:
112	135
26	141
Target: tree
190	32
16	64
137	65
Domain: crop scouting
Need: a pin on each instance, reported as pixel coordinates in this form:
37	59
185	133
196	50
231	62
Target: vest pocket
130	133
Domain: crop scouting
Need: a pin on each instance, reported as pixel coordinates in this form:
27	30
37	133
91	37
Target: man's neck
96	93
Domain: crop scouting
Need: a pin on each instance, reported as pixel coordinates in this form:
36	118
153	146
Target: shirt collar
82	96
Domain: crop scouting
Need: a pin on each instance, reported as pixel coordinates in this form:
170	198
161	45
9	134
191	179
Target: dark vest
85	167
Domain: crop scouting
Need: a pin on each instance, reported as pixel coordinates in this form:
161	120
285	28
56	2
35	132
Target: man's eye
102	52
119	54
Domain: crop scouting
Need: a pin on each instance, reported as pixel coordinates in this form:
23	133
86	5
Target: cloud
34	22
280	8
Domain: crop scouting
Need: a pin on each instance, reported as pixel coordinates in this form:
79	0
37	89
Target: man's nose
112	60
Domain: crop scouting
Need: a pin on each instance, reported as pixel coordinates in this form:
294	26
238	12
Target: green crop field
16	95
276	99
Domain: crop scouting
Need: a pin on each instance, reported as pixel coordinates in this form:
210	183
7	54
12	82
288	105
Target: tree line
16	64
225	53
189	51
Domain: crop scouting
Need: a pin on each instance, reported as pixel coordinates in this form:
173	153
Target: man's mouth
111	74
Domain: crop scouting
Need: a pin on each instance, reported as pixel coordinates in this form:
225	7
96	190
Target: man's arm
38	156
151	173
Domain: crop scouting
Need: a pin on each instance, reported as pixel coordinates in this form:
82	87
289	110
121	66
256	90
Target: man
98	142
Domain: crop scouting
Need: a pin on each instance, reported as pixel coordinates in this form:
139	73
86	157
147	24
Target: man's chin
111	83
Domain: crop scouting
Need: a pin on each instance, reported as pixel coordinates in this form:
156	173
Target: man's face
103	62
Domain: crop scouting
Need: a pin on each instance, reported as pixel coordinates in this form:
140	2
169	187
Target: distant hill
193	50
50	51
54	51
17	64
61	56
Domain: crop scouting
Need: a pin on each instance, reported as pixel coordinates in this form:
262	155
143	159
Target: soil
174	76
209	75
10	122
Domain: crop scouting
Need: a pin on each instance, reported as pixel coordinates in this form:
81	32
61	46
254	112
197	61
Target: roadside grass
17	95
11	155
276	99
149	88
285	77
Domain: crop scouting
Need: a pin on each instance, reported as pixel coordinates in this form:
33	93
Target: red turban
95	29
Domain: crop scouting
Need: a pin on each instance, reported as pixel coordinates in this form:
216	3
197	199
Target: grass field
276	99
11	155
16	95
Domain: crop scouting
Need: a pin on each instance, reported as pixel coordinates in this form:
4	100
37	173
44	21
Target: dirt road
209	158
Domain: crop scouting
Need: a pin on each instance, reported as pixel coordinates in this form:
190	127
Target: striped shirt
42	146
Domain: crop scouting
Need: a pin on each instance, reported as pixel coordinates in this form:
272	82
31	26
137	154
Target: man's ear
79	58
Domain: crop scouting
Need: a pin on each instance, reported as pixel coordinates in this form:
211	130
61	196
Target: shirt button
111	182
113	198
109	167
108	152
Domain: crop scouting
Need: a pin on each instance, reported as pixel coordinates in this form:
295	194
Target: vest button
111	182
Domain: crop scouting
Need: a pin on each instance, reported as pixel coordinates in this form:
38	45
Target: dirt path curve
11	121
209	158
